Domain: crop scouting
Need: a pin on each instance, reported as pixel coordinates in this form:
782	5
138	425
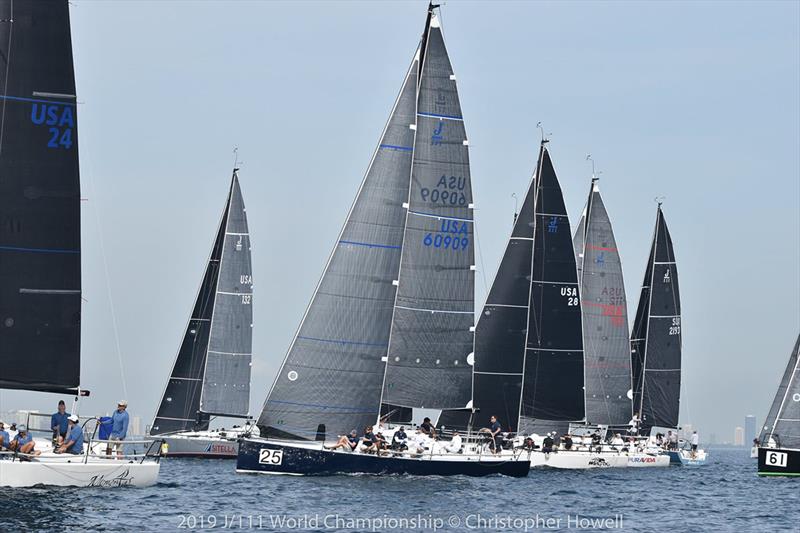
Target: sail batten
656	336
40	242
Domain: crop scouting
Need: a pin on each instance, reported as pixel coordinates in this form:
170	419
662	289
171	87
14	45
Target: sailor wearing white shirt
633	424
695	443
454	446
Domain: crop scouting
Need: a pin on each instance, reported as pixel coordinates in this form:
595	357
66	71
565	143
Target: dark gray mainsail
40	231
553	381
212	365
226	380
332	373
606	346
782	425
656	336
432	328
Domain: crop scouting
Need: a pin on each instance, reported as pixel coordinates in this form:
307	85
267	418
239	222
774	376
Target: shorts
116	443
694	447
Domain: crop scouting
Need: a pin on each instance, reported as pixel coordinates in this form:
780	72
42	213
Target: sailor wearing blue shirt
58	423
5	439
119	428
73	442
23	441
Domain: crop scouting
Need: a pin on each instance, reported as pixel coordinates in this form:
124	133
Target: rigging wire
114	327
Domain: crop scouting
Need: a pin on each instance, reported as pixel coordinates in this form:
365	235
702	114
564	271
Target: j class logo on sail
60	120
449	190
675	327
571	294
667	279
452	235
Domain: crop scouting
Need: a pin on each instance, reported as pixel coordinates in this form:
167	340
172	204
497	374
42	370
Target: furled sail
656	336
606	347
333	371
40	245
782	425
431	336
211	373
553	380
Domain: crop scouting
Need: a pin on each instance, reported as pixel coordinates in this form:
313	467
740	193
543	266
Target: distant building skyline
738	436
749	428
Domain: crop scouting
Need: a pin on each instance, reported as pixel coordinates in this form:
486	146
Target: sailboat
211	373
779	442
40	243
389	329
529	367
656	345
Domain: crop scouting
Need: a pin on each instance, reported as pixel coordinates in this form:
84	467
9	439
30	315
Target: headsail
333	370
606	345
40	270
656	336
213	362
782	425
431	336
552	390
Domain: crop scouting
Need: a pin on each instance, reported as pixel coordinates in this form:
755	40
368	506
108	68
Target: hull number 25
270	457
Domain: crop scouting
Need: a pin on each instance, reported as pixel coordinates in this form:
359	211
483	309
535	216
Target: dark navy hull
271	457
778	462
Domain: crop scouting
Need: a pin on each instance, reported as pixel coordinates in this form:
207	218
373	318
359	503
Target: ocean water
724	495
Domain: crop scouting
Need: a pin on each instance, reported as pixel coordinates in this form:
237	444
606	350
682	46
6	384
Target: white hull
582	460
73	472
209	447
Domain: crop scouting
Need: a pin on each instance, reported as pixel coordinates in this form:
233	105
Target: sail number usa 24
267	456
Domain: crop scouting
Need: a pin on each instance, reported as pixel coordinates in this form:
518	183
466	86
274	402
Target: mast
180	407
607	362
656	336
782	425
553	381
40	241
432	333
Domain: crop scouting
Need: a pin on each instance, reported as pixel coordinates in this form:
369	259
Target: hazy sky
698	102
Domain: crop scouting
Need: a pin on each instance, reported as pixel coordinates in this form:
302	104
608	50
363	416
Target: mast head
545	140
659	200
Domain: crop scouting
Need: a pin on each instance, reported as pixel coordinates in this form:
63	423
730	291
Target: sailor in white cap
73	442
119	428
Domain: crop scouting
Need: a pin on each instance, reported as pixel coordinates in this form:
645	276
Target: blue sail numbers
60	119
